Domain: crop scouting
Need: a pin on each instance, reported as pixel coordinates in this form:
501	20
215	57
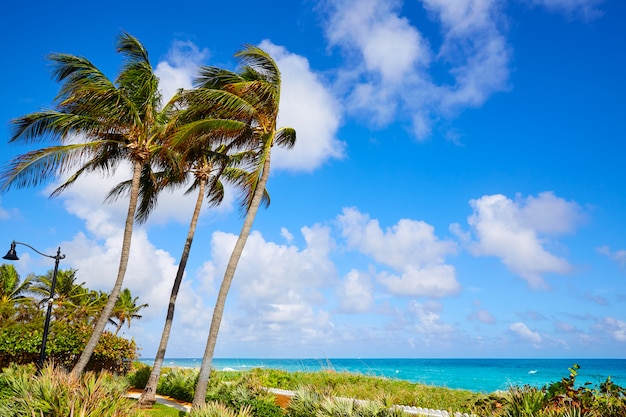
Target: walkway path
170	402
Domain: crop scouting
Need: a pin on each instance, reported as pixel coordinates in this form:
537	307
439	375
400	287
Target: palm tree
125	310
86	307
98	123
67	291
253	96
207	160
12	290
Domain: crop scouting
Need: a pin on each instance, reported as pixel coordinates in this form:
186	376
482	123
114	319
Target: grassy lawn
160	410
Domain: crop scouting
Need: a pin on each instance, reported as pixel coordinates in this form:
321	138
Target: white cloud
427	319
524	333
587	9
387	83
514	231
614	327
286	234
179	68
308	106
371	26
278	288
475	47
434	281
410	247
356	293
408	242
548	213
618	256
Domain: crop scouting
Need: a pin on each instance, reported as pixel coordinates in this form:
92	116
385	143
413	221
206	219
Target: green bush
564	398
20	343
179	383
216	409
139	375
308	402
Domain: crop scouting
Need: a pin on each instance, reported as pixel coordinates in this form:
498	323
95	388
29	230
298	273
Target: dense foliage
561	398
74	311
315	392
55	393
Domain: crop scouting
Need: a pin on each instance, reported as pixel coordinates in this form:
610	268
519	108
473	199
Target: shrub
20	343
216	409
56	393
178	383
308	402
139	375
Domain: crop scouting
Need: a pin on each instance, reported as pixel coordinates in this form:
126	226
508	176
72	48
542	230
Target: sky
456	190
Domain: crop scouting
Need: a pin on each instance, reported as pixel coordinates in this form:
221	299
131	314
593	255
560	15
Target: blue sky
457	189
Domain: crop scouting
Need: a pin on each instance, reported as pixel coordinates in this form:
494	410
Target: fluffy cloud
355	293
513	231
179	67
369	27
524	333
385	82
307	105
278	288
409	247
427	319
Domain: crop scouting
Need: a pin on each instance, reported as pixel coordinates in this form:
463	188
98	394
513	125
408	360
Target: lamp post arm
57	257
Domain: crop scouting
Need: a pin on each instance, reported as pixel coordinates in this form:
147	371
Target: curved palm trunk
80	366
148	397
207	360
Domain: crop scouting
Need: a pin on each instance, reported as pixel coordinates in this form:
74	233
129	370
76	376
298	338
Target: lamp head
11	255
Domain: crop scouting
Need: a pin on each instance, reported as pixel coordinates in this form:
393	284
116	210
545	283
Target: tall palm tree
207	159
253	96
125	310
97	124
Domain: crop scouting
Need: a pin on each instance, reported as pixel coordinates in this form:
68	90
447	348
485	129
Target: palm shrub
304	403
525	401
246	392
178	383
55	393
217	409
138	376
308	402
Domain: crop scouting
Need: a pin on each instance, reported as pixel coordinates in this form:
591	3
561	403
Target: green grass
160	410
366	387
342	384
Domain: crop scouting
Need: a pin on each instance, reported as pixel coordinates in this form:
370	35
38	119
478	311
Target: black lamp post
12	256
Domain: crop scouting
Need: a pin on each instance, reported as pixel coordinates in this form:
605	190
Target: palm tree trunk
207	360
148	397
80	366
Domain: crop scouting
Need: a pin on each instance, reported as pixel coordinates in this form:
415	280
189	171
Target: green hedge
20	343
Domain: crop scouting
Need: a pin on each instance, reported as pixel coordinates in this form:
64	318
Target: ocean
478	375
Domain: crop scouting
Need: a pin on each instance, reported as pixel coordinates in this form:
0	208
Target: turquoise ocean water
480	375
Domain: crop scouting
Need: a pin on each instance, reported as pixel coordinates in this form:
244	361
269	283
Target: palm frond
36	167
257	61
285	137
214	78
54	125
77	73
